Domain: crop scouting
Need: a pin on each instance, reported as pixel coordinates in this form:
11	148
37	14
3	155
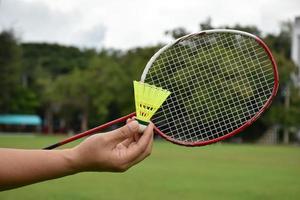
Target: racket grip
89	132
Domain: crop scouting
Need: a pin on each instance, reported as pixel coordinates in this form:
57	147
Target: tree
285	110
10	55
89	90
42	64
206	24
281	43
177	32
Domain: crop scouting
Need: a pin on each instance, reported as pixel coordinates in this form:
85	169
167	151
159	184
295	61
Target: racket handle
89	132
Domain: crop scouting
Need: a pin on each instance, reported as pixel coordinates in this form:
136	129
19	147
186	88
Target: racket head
220	81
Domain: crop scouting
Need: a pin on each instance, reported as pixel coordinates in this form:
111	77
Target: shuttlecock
148	99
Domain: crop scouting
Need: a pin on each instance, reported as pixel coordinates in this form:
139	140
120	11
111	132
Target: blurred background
67	66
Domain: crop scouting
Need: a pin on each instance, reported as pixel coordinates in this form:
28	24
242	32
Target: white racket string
218	82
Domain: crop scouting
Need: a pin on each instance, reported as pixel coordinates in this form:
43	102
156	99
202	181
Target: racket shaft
89	132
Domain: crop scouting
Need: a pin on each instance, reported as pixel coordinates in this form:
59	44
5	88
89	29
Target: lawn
219	171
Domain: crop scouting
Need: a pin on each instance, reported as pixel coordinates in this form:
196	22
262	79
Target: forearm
115	151
23	167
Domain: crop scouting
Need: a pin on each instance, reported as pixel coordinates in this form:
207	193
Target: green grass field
219	171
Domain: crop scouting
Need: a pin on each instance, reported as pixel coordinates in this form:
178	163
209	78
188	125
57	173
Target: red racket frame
200	143
249	122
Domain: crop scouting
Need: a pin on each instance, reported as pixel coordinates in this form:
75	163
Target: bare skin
114	151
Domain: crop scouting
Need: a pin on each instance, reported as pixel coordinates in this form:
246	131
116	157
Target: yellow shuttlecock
148	99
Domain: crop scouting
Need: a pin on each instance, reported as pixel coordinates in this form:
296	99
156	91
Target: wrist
72	160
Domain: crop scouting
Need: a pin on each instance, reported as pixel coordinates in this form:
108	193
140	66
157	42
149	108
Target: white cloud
92	37
37	21
124	24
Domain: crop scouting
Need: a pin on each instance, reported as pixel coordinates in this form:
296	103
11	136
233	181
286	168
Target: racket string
183	116
231	120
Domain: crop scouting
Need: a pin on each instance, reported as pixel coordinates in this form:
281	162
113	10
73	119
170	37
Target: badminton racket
220	80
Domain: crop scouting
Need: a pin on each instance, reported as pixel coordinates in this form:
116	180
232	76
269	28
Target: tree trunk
49	120
286	137
84	121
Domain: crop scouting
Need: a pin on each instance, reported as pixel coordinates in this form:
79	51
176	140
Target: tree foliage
14	96
90	87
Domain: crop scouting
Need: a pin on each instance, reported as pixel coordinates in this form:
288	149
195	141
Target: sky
125	24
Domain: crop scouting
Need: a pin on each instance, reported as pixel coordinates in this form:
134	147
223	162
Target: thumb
126	131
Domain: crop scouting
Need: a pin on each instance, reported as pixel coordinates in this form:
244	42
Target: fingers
146	153
128	141
142	148
147	136
135	137
127	131
129	120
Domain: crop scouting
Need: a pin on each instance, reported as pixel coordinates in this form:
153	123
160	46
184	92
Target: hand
114	151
